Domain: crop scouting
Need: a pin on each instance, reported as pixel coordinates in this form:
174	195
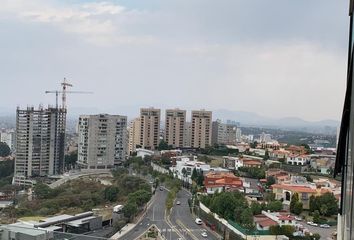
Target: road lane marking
189	232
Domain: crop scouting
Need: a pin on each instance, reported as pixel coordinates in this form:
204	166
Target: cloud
179	53
95	22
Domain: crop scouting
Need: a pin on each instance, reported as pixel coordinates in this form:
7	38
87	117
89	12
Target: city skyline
222	59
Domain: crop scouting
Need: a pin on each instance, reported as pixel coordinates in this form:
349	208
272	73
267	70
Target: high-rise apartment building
40	142
223	133
174	127
8	137
102	141
149	128
239	135
201	129
187	134
134	135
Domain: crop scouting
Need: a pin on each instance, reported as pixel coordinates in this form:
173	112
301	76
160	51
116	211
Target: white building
189	166
239	135
297	159
102	141
8	137
264	137
141	152
232	163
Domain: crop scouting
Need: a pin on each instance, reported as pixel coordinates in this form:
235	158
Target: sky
277	58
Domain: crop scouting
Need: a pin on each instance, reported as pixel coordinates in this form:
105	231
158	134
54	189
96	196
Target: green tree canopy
111	193
130	209
4	149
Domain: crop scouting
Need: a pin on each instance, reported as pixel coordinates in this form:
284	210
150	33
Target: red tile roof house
285	191
216	181
266	219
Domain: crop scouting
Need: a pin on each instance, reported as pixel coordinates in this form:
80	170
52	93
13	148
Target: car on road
325	226
178	203
312	224
204	234
161	189
198	221
298	218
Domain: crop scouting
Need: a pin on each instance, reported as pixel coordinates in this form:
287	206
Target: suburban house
232	163
324	165
251	163
266	219
279	175
284	193
296	149
216	181
295	159
279	154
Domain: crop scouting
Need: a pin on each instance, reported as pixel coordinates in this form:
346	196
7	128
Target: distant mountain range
288	123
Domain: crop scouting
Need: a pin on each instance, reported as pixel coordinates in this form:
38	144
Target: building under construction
40	141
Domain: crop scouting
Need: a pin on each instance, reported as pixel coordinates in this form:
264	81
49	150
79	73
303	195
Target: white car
298	218
178	203
325	226
312	224
198	221
204	234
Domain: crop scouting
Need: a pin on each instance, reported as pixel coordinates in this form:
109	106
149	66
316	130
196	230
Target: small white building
189	166
297	159
141	152
232	163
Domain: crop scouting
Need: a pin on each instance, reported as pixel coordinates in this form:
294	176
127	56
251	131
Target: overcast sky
278	58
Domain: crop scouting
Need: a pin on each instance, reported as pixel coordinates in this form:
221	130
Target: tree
70	160
42	191
313	203
298	208
111	193
163	146
139	197
293	202
274	206
194	175
256	208
246	218
309	178
200	178
4	149
316	216
130	209
266	155
326	205
270	181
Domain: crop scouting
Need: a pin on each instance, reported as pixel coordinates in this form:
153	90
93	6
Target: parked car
198	221
325	226
298	218
178	203
312	224
204	234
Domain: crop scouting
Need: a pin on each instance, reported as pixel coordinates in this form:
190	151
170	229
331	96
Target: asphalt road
326	233
155	215
182	218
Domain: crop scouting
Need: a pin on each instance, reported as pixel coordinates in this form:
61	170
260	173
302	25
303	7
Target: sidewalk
123	231
137	219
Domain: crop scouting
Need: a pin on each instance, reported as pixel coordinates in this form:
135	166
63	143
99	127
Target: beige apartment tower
201	129
149	128
174	127
134	135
